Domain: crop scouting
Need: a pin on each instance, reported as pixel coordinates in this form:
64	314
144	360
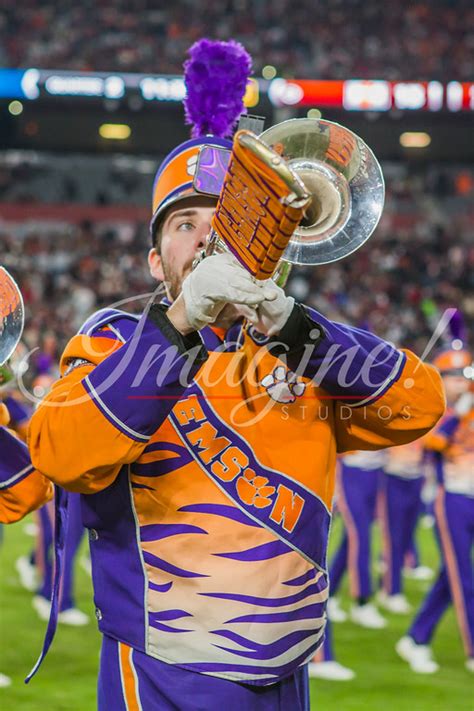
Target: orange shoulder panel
70	441
409	409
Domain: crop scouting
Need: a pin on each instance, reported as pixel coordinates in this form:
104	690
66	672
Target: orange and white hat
174	180
453	362
216	74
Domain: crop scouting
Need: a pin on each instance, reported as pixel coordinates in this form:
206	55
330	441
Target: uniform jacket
209	501
451	448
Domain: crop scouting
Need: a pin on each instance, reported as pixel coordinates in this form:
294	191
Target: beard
173	280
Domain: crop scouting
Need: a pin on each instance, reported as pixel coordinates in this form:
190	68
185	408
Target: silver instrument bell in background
12	315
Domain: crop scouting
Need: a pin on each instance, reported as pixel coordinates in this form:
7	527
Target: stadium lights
15	108
468	372
415	139
115	131
252	94
269	72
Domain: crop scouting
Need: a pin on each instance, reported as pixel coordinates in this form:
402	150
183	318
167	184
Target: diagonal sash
273	499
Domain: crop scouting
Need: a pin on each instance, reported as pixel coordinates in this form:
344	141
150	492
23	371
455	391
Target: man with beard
206	472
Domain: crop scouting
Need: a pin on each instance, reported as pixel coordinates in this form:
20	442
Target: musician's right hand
216	281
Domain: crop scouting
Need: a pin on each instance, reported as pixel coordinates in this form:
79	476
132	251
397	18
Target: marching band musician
22	489
400	505
208	510
450	448
357	488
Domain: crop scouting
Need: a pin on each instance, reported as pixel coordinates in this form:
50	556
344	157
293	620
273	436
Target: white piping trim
138	435
105	321
135	676
394	372
117	333
18	475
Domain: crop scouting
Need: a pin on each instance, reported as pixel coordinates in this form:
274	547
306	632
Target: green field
67	679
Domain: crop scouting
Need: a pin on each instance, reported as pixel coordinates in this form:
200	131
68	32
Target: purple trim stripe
15	462
312	589
165	628
309	612
158	531
230	512
160	588
301	579
169	615
161	564
265	672
179	457
265	651
142	486
273	549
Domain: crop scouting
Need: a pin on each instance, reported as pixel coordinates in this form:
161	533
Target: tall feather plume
216	76
457	326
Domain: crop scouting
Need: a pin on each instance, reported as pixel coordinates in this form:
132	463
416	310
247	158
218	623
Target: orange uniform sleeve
120	381
28	495
69	438
409	409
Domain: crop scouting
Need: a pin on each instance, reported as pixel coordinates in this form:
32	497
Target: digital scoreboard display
350	95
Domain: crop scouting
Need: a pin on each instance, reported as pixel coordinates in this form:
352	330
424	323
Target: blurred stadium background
90	102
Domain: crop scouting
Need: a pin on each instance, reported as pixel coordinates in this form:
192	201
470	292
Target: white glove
216	281
463	404
272	314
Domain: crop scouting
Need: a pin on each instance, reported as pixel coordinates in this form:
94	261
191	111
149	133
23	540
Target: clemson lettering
287	508
230	464
189	409
205	438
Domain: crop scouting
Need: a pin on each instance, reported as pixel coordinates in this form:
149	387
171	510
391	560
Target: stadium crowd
419	262
405	40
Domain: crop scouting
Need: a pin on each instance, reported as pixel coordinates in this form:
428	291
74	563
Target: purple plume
216	76
457	326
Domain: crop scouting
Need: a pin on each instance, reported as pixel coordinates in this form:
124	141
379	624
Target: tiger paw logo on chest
283	385
267	494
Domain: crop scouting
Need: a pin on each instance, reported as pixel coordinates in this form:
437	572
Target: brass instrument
12	315
327	172
345	182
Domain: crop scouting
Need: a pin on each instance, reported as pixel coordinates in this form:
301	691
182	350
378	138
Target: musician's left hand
269	317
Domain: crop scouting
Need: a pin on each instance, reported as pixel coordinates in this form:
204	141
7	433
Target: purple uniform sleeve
15	463
350	364
137	386
19	413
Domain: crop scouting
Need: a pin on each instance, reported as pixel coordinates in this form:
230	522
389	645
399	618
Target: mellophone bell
12	315
334	184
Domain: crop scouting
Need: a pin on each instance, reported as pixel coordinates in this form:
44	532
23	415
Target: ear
154	264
